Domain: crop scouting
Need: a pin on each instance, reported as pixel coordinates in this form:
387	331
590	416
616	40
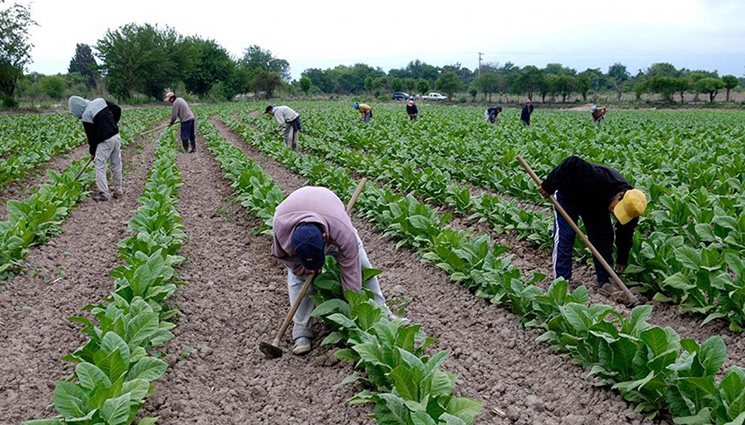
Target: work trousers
599	232
109	150
188	134
292	131
302	318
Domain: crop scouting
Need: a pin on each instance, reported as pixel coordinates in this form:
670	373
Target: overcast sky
703	34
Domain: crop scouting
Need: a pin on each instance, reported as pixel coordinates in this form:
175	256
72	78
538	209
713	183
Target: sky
704	34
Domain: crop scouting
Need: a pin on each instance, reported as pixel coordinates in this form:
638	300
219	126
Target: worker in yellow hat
592	192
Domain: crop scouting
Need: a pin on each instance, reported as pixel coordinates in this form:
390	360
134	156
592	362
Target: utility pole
480	63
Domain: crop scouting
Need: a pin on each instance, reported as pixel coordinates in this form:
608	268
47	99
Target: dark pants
599	231
188	134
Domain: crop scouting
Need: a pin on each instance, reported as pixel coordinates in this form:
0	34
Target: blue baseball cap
307	241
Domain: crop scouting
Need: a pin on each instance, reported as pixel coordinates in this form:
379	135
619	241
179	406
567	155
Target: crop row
697	279
114	371
411	388
34	220
649	365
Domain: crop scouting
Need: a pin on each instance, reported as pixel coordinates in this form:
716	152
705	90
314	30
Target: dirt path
62	277
22	188
236	298
495	359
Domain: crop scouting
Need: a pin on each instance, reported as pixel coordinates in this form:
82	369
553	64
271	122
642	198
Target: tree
202	63
53	86
267	82
618	72
422	85
138	58
583	83
665	86
487	83
84	63
409	84
730	82
529	80
15	48
709	85
305	84
368	83
319	79
397	84
549	85
449	83
565	86
257	59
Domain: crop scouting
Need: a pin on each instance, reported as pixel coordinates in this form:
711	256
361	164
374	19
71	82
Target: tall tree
15	48
529	80
619	73
257	59
207	64
267	82
449	83
85	64
730	82
138	58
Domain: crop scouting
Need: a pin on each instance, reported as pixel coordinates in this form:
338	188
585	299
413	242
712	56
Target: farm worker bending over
526	111
492	114
100	118
309	224
412	110
597	114
365	111
592	192
182	111
289	121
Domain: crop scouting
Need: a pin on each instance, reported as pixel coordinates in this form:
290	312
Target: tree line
146	60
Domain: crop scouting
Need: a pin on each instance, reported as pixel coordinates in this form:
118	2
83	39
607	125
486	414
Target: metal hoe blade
270	351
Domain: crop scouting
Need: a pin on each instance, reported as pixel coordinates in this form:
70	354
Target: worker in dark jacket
100	118
592	192
525	113
492	114
412	110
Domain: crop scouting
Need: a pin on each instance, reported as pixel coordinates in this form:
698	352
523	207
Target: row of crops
649	365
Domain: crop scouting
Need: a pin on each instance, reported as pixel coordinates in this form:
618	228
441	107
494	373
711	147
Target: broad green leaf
422	418
391	411
115	411
713	354
464	408
141	327
52	421
150	420
330	307
70	400
91	375
703	417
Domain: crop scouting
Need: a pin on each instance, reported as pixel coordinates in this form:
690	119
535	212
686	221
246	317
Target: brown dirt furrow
22	188
496	360
236	297
61	277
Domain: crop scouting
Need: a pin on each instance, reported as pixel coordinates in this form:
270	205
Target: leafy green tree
85	64
305	84
449	83
409	85
422	85
138	58
267	82
662	69
730	82
549	85
202	63
619	73
53	86
566	84
683	85
709	85
487	83
397	84
319	79
368	83
664	85
15	48
583	83
257	60
528	80
380	83
473	90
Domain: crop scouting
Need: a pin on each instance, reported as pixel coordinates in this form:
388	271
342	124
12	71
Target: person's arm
174	113
350	264
90	133
624	240
280	118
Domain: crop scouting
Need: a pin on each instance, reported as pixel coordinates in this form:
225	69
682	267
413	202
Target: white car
435	96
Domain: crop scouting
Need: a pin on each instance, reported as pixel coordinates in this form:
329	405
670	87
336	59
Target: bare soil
60	278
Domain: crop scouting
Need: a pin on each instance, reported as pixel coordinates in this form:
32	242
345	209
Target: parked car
399	95
435	96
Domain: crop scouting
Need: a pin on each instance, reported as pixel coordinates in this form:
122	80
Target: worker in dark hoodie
100	118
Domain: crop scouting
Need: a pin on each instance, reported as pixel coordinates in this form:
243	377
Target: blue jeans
366	117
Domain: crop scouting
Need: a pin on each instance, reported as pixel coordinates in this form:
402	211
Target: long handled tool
272	351
157	128
632	299
77	176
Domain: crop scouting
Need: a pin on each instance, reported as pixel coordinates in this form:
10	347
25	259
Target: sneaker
118	193
302	346
100	197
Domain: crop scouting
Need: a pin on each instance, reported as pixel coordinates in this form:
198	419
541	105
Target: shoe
607	290
302	346
191	151
100	197
118	193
